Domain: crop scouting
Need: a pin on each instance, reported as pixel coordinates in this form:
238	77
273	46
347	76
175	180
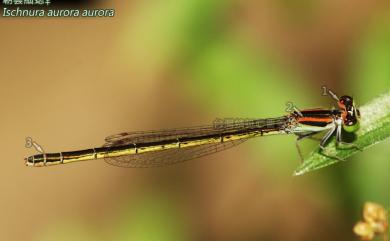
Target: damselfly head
345	101
349	113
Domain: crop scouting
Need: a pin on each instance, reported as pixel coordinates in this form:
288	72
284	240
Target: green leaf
374	128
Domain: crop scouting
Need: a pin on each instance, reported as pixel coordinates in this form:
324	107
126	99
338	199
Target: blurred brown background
69	82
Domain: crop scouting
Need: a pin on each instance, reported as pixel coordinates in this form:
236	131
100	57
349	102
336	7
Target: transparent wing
171	156
218	126
158	135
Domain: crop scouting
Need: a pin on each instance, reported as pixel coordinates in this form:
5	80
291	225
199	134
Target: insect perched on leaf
166	147
374	222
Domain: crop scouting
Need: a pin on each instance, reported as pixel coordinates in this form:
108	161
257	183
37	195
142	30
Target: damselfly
165	147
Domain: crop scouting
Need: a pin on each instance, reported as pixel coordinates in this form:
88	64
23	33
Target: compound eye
351	124
346	100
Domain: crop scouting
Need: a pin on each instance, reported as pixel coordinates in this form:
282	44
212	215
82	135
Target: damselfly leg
301	137
336	131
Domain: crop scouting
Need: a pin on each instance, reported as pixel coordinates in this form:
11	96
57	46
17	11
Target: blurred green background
68	83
